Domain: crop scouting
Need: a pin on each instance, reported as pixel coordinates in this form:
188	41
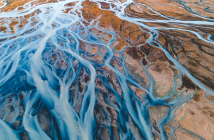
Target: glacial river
102	70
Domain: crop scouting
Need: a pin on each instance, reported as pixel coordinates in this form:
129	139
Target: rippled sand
107	70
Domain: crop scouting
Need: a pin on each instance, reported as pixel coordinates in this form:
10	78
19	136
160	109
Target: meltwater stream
62	78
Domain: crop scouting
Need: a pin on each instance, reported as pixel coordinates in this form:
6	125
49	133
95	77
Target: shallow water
106	70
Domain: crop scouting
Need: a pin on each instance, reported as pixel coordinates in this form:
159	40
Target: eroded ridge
106	70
